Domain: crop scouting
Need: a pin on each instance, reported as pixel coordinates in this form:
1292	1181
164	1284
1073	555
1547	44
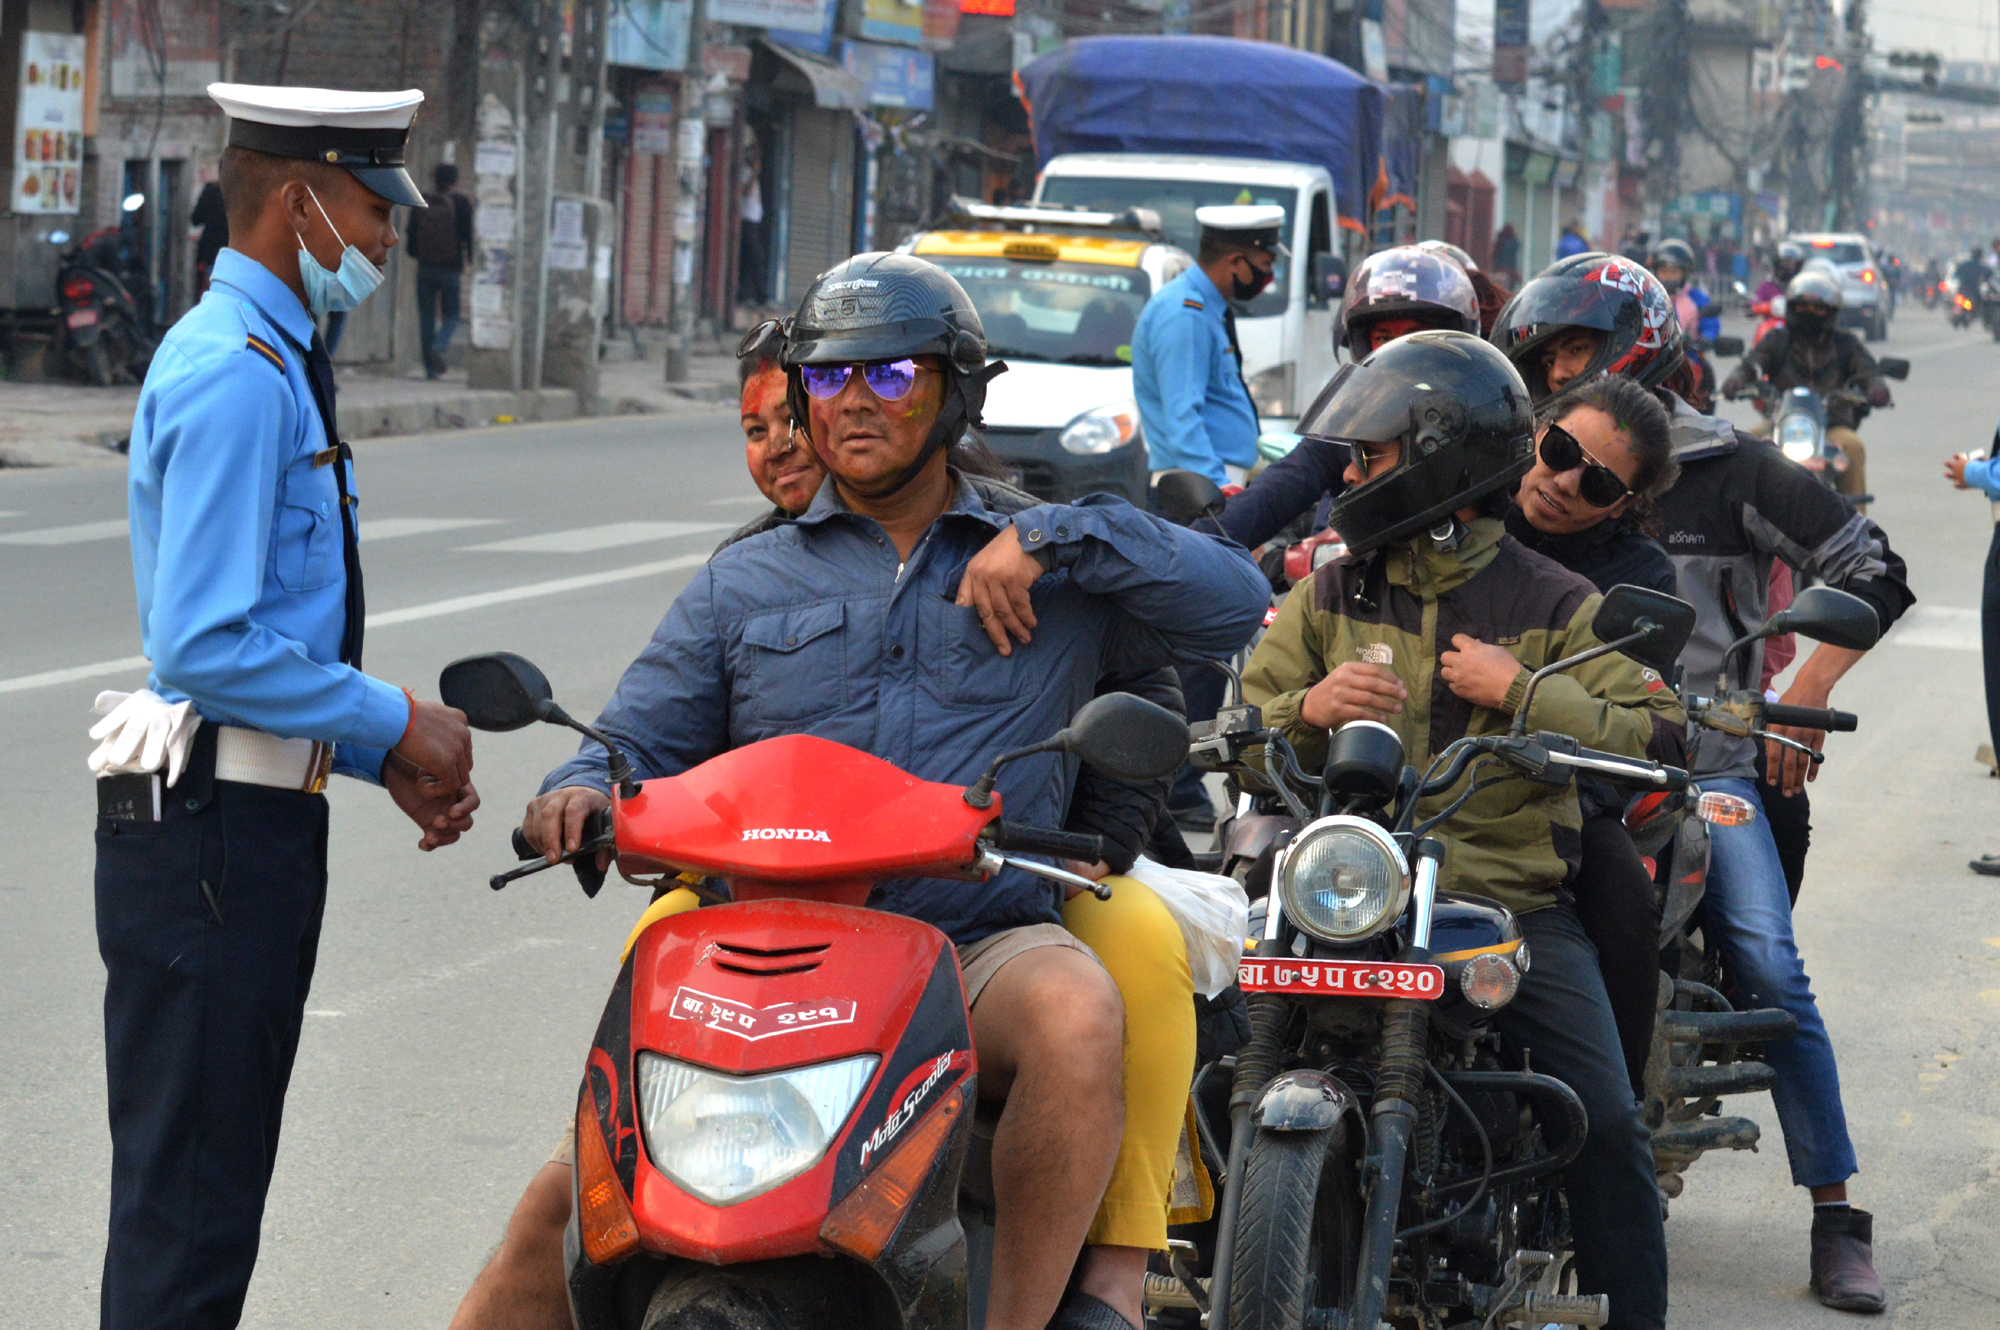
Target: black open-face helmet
1461	414
1672	252
1407	282
1604	293
885	307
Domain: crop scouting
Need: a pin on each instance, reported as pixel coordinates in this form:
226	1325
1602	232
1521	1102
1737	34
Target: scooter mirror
1727	346
1892	367
501	691
1827	614
1127	737
1667	622
1182	496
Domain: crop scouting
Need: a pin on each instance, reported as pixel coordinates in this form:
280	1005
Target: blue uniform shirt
236	535
1192	402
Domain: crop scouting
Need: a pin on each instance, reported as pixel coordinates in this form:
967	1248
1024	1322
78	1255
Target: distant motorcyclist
1811	351
1672	261
1970	276
1786	264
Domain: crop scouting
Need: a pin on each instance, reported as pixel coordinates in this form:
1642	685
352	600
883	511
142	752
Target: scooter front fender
1304	1101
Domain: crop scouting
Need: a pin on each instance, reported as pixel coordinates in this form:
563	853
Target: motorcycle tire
99	364
1298	1231
795	1294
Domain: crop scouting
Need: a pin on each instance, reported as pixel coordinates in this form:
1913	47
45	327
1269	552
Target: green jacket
1517	841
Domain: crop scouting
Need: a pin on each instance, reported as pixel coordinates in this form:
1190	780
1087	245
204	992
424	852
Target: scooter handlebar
1022	839
1810	718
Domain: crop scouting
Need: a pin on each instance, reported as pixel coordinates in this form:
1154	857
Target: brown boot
1843	1261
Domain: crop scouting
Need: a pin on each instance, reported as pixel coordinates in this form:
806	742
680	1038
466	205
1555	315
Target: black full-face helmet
1672	253
1460	412
880	306
1604	293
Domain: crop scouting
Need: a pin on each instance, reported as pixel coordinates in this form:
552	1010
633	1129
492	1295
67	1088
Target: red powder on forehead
764	392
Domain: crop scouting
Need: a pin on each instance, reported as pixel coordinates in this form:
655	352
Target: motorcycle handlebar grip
1810	718
1045	840
523	850
595	826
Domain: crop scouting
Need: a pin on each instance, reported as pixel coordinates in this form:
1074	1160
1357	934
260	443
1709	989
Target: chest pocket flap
795	664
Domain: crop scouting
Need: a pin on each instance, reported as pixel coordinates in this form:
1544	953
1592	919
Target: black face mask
1250	290
1807	324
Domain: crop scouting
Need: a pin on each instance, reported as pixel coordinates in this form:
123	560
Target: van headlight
727	1138
1103	430
1343	879
1798	437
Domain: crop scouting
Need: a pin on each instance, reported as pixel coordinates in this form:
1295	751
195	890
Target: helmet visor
1359	405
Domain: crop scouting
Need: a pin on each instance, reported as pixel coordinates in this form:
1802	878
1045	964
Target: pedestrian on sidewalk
752	261
1977	472
211	827
440	241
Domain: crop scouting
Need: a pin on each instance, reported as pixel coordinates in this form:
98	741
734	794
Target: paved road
443	1045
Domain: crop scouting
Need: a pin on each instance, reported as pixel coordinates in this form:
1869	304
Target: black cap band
321	143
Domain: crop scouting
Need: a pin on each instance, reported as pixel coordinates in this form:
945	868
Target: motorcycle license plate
81	318
1370	979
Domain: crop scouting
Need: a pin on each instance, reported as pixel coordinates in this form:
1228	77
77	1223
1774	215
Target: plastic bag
1213	912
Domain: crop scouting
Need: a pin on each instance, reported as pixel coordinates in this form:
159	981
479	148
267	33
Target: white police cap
362	131
1255	224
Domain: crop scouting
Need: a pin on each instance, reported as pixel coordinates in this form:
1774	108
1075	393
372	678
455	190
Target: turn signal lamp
863	1224
610	1234
1489	982
1868	275
1725	810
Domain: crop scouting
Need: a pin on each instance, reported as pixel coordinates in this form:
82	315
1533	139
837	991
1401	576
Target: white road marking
390	528
436	609
585	540
67	535
1944	626
757	499
11	513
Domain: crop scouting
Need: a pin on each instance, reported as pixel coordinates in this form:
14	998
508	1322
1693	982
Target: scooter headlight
1343	879
727	1138
1798	437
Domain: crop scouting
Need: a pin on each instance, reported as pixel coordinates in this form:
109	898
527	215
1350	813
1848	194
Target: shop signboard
892	21
793	15
893	75
649	34
48	120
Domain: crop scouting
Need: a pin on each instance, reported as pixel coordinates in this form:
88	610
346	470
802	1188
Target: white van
1287	332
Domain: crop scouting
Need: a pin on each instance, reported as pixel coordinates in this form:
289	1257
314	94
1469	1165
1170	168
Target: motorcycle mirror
133	202
1666	623
1182	496
58	237
1127	737
1827	614
1893	367
1727	346
1329	278
500	691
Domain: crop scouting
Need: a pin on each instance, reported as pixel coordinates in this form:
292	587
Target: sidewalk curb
467	410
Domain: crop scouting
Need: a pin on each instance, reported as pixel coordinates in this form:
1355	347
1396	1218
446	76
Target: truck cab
1287	332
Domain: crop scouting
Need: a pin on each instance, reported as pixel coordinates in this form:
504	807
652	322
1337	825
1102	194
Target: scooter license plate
1367	979
81	318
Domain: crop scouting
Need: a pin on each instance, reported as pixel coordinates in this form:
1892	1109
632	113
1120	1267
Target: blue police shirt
1189	387
236	535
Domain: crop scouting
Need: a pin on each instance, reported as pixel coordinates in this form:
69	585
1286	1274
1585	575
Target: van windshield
1175	201
1068	313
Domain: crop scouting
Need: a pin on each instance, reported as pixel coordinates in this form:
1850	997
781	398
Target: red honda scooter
776	1113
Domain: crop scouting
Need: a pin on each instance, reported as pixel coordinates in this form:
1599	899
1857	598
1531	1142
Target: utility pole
691	207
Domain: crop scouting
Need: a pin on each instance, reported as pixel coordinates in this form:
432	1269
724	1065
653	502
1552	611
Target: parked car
1059	291
1865	300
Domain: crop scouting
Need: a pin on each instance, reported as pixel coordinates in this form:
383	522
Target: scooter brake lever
499	880
1813	753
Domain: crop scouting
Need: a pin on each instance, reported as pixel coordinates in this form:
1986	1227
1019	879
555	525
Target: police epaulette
1193	304
266	350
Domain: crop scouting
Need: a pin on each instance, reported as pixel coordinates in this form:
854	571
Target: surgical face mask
331	292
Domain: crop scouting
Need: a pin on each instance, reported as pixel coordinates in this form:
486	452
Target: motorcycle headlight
1798	437
1343	879
1102	430
727	1138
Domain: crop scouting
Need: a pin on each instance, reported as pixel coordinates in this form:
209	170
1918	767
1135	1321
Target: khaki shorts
978	962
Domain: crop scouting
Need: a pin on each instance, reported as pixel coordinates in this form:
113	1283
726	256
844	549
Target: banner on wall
48	119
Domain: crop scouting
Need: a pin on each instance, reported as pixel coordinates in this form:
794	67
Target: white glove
141	732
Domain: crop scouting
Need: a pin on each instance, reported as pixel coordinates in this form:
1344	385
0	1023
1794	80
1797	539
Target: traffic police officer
211	833
1187	369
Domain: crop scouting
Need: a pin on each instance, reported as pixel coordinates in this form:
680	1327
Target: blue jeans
1749	916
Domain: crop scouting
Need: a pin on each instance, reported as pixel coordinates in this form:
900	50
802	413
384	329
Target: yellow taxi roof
1038	246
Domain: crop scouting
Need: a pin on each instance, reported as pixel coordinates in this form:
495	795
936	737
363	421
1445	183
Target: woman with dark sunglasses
1586	504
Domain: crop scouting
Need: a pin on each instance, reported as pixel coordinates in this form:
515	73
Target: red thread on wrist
413	716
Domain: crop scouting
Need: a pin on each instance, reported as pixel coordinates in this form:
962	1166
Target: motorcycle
1383	1160
1964	306
776	1124
104	325
1798	417
1702	1044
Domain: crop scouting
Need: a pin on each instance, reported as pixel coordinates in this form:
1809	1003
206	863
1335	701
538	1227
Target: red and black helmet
1603	293
1406	282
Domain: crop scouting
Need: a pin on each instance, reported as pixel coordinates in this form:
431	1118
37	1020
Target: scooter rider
1403	630
1812	351
1393	292
903	615
1737	505
1785	265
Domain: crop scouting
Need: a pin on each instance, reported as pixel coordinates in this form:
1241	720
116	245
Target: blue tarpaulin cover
1214	96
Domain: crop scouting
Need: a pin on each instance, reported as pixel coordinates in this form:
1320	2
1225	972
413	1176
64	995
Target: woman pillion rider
1430	625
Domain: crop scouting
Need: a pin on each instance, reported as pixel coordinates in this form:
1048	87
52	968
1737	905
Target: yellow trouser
1142	949
1854	480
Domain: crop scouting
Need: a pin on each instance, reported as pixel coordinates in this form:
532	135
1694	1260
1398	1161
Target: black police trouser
1562	1019
1618	906
208	922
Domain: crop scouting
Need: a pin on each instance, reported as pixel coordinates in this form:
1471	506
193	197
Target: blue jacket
1192	403
812	628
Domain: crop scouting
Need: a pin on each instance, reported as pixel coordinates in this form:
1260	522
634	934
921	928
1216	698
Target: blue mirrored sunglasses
890	380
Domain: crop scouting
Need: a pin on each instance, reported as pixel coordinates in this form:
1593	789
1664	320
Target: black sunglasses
1600	485
766	338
